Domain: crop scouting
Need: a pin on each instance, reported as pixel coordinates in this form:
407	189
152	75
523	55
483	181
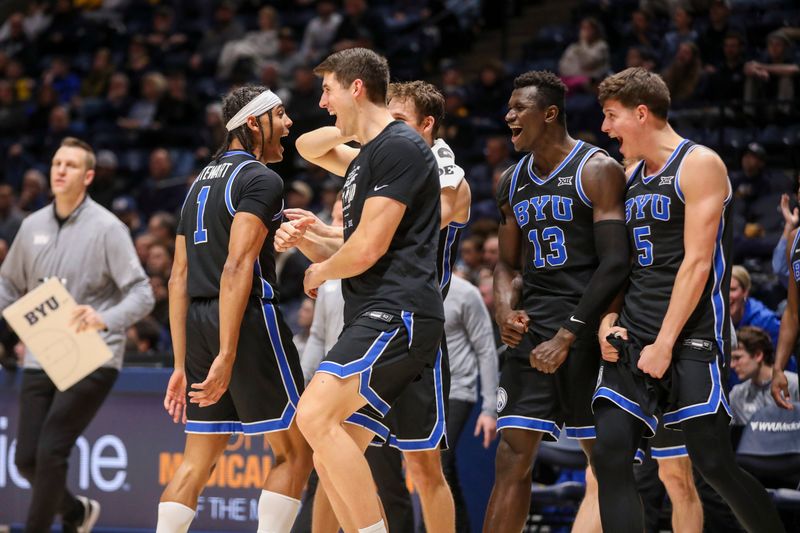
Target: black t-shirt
396	164
237	182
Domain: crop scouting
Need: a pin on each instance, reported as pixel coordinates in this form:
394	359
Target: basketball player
672	344
789	328
420	412
562	204
231	344
393	306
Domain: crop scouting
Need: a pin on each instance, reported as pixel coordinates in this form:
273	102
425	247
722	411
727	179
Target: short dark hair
231	104
359	64
74	142
427	99
754	340
636	86
550	90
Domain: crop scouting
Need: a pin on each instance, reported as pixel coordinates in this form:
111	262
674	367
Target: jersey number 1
200	234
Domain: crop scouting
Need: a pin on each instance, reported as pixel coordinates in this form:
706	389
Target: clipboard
41	320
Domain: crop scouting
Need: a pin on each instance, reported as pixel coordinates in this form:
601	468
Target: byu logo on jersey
560	208
666	180
502	399
565	181
637	207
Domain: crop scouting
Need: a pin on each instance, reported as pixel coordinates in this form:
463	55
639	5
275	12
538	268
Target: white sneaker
91	512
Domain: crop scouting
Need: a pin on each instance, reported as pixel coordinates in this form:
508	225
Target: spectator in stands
34	193
711	40
125	209
726	81
288	58
791	219
213	134
491	252
10	215
95	82
161	293
22	84
165	42
15	43
66	83
471	260
141	343
683	31
748	311
138	63
639	32
299	195
305	315
142	243
360	27
487	96
587	59
255	47
159	260
13	118
639	56
320	33
752	361
496	158
178	114
774	78
684	75
161	190
142	113
163	226
224	28
113	111
107	183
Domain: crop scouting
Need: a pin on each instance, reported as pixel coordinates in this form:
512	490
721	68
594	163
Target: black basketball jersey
558	254
396	164
655	216
235	182
449	238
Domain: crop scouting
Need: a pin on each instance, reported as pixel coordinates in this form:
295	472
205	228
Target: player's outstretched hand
551	354
513	325
216	383
487	425
312	281
85	318
175	398
780	389
655	359
290	233
608	352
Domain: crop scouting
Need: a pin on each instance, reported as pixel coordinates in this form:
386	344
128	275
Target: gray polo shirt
748	397
93	255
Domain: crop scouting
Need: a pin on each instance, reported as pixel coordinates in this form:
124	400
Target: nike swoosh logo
573	319
377	188
522	186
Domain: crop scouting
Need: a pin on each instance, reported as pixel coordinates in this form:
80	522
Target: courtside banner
128	455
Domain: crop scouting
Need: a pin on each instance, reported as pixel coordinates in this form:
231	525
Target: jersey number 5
554	236
644	246
200	234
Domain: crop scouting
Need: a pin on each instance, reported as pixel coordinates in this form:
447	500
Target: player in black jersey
419	414
787	339
232	347
563	228
671	347
387	262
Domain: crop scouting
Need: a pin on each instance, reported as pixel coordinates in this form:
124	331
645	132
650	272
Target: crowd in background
141	81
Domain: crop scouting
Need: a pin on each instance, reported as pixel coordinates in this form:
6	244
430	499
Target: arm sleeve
129	277
13	275
399	168
611	243
260	193
479	330
780	267
314	351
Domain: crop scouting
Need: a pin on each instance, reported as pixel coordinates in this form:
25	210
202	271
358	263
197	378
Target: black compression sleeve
611	244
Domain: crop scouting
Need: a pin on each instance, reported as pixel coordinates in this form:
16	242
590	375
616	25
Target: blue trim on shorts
439	428
532	424
628	405
584	432
370	424
715	398
196	426
669	453
363	368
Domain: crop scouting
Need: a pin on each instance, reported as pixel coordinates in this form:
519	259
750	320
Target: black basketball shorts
388	353
692	386
532	400
266	381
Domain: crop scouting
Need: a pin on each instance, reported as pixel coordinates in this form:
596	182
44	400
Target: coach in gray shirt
91	252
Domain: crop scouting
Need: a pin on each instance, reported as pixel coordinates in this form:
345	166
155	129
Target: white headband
255	107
